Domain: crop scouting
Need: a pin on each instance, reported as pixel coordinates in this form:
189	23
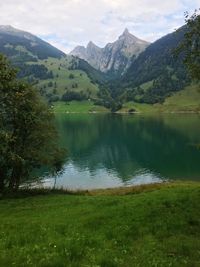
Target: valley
126	76
99	133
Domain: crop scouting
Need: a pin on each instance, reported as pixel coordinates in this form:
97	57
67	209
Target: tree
27	133
50	84
191	44
71	76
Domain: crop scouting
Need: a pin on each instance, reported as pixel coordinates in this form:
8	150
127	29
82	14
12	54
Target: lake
113	150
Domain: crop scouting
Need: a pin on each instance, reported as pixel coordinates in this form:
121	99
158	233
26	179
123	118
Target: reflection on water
114	150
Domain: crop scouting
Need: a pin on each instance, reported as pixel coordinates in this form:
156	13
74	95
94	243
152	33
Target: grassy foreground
157	225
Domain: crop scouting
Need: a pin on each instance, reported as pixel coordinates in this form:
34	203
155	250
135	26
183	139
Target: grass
185	101
77	107
147	85
156	225
61	72
141	108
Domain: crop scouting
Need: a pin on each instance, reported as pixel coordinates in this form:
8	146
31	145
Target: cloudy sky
67	23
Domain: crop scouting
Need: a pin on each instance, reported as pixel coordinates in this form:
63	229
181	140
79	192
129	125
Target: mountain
92	54
148	76
115	57
54	73
19	44
156	72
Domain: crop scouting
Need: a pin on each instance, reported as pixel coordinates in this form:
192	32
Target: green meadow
61	77
185	101
146	226
77	107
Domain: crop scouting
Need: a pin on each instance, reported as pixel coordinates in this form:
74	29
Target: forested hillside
56	75
156	73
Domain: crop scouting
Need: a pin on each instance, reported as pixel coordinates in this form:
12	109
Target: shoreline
130	113
116	191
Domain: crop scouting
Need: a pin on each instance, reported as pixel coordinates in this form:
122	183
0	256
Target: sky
68	23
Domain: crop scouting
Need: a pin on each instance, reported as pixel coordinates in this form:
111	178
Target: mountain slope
53	72
114	57
153	75
16	44
184	101
156	72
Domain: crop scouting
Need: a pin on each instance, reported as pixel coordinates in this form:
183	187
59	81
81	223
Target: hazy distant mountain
114	57
17	43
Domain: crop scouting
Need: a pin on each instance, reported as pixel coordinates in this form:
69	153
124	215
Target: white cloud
66	23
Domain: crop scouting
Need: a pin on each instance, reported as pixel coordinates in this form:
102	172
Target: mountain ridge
157	72
113	57
53	72
38	47
150	77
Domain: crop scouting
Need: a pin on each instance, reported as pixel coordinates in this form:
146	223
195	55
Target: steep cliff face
114	57
92	54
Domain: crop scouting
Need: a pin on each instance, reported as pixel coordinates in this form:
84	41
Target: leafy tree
50	84
71	95
191	44
38	71
71	76
27	133
74	85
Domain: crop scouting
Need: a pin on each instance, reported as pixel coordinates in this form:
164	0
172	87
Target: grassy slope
151	228
187	100
78	106
60	67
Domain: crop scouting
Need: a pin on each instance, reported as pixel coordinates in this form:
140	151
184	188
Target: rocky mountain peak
79	48
126	32
126	35
91	45
114	56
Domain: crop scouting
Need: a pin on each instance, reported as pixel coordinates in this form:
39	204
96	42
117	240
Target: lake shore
154	225
115	191
186	101
130	113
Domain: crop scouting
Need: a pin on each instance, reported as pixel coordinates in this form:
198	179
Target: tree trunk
2	185
15	179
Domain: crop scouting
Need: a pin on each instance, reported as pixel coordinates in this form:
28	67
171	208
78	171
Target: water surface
115	150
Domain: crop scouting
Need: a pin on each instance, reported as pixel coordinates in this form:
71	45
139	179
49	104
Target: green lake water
115	150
